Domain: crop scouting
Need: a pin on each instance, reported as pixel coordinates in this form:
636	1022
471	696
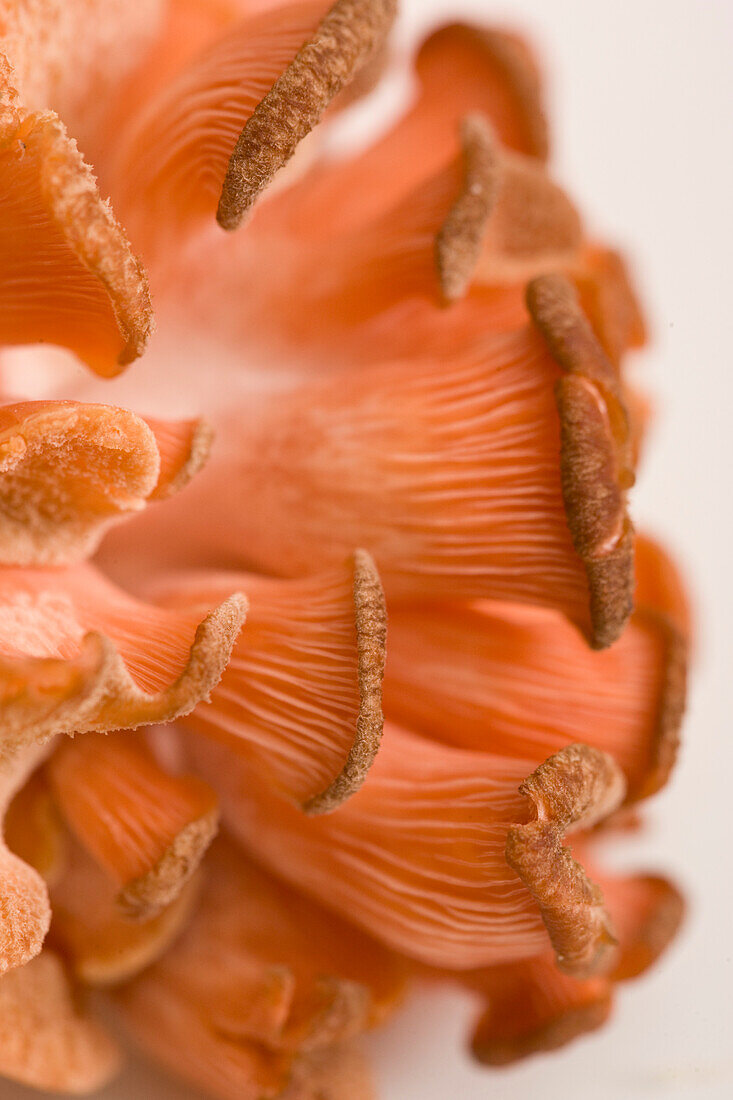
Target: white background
641	93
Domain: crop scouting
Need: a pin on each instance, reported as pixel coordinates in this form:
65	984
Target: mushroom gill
146	828
68	275
301	696
418	857
81	655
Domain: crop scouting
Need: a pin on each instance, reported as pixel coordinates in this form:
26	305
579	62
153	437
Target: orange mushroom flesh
230	1068
79	655
610	301
461	478
648	912
46	1039
60	51
67	273
641	418
522	681
301	697
504	478
484	215
660	585
146	828
273	966
25	912
469	236
482	218
183	447
261	978
481	215
174	159
325	305
101	946
69	471
34	829
495	71
532	1007
186	28
419	856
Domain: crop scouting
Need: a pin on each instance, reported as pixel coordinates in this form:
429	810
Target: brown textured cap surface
342	43
535	223
573	789
152	892
595	453
370	613
509	221
458	243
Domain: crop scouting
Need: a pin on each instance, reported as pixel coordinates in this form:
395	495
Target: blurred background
641	101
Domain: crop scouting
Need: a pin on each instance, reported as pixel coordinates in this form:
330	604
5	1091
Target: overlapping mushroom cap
408	499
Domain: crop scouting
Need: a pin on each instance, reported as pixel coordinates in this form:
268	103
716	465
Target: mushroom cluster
328	650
